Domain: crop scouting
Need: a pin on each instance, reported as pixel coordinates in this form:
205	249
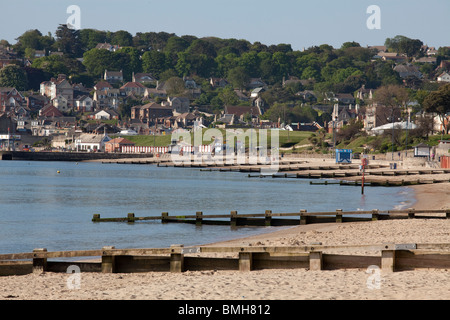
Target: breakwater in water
67	156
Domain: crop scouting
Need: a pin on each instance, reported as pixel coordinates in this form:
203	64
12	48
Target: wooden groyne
388	257
282	219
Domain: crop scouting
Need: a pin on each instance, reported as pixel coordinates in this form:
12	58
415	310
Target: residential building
102	85
113	76
108	98
59	87
218	82
106	115
408	70
135	88
60	102
91	142
364	94
444	77
179	105
107	46
115	145
10	98
151	112
378	115
84	104
240	112
50	111
144	78
36	102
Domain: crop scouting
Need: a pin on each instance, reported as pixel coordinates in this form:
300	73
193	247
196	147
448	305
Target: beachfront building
115	145
91	142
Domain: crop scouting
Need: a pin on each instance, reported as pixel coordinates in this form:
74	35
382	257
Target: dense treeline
166	56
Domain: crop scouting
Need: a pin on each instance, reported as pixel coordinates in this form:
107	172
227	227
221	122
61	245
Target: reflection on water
40	207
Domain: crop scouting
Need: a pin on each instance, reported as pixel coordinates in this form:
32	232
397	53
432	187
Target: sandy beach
296	284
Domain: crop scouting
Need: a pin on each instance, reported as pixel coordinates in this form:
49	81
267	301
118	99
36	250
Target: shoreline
429	196
279	284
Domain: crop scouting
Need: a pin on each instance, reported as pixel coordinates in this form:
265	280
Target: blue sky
299	23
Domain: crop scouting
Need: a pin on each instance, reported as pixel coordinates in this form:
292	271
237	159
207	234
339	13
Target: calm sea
41	208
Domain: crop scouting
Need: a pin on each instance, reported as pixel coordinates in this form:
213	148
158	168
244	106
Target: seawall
67	156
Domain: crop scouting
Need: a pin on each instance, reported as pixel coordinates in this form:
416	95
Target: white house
61	103
91	142
102	115
84	103
444	77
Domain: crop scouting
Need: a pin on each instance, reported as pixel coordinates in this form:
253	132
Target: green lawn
286	138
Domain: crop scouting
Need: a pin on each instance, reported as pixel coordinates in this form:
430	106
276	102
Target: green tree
134	64
97	61
439	102
89	38
13	76
68	41
33	39
175	86
56	64
238	77
122	38
402	44
154	62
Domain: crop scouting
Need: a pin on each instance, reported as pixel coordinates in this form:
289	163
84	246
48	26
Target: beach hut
422	150
344	155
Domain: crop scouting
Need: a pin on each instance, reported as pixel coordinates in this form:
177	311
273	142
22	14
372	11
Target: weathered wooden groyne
282	219
389	257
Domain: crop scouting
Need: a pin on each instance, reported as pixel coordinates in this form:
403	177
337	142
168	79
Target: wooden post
268	218
233	218
39	264
303	217
96	217
176	258
164	217
411	213
131	217
245	261
375	215
315	261
388	260
339	215
198	218
108	261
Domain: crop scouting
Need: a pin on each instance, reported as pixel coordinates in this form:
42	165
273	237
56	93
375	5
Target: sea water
51	204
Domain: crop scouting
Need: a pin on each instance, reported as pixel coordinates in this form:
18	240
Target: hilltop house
106	115
144	78
151	112
10	97
60	88
444	77
135	88
179	105
408	70
107	46
113	76
84	104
